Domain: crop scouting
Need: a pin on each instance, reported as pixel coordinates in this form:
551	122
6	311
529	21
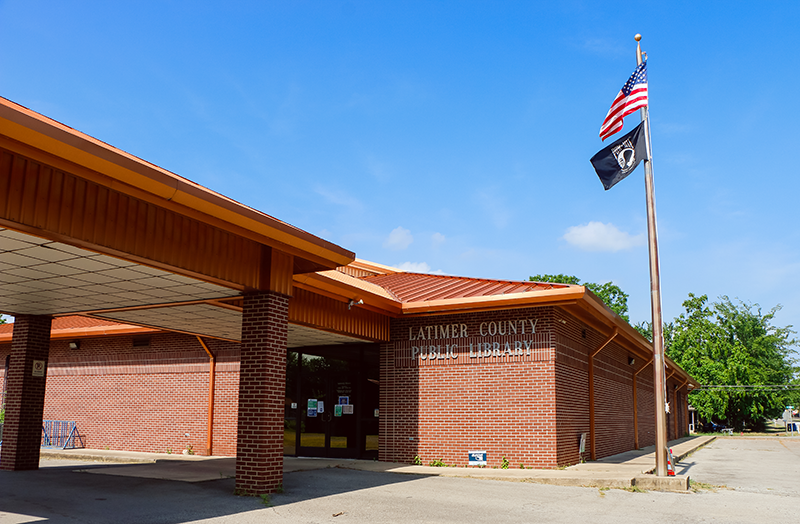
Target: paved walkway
625	470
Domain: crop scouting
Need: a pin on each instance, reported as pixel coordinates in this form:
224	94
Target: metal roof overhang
578	301
86	228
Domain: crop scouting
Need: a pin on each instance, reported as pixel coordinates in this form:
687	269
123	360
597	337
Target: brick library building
159	316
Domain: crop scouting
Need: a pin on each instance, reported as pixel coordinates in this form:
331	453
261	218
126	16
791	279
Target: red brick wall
530	409
144	399
613	390
645	404
442	409
572	388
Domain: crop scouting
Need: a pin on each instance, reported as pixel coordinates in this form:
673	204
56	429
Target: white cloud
604	47
495	207
415	267
438	239
378	169
399	239
596	236
418	267
339	197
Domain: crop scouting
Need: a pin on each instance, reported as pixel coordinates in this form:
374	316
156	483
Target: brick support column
262	391
22	431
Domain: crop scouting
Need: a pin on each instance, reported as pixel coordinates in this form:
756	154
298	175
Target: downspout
636	406
212	371
592	450
684	409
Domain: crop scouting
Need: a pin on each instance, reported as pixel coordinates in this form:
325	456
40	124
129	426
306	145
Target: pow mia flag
618	160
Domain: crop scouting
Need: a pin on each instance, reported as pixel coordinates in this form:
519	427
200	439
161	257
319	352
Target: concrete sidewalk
625	470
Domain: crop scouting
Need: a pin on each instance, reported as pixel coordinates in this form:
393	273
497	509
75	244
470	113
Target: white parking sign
477	458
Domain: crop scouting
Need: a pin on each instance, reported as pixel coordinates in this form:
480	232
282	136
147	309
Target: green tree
723	343
646	330
609	293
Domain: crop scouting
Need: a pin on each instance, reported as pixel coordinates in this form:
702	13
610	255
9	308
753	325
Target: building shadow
71	493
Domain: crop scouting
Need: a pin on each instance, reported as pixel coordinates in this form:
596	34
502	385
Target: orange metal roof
419	287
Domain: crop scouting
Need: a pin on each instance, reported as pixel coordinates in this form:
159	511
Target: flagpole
659	379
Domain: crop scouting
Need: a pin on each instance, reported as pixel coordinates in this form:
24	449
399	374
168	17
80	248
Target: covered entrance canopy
89	229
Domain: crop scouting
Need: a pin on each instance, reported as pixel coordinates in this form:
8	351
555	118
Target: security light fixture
631	361
354	303
75	344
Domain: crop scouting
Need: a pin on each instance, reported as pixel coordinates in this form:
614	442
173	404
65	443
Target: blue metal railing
61	434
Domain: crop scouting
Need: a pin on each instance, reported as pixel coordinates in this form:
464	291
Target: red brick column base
22	431
262	391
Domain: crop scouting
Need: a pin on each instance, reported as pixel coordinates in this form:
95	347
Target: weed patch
696	486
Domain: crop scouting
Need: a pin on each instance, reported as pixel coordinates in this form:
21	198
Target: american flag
632	97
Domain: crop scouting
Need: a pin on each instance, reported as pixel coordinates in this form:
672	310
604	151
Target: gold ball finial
638	37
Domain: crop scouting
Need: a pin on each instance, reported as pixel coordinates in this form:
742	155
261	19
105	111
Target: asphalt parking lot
767	465
743	480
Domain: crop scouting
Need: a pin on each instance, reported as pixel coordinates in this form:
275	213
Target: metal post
659	380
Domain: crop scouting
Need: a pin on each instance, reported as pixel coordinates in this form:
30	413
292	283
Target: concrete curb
120	457
93	457
624	471
686	452
653	483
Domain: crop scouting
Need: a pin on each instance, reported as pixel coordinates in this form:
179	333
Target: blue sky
453	137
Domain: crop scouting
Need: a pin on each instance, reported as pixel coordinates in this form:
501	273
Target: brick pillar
262	391
22	431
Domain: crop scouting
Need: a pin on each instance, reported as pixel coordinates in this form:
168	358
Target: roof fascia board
338	290
135	192
28	127
382	269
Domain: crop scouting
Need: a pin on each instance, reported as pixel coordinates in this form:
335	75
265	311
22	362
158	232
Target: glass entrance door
325	415
328	425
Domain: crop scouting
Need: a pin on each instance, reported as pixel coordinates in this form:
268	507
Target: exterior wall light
75	344
354	303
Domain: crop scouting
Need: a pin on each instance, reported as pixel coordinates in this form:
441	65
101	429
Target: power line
773	387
